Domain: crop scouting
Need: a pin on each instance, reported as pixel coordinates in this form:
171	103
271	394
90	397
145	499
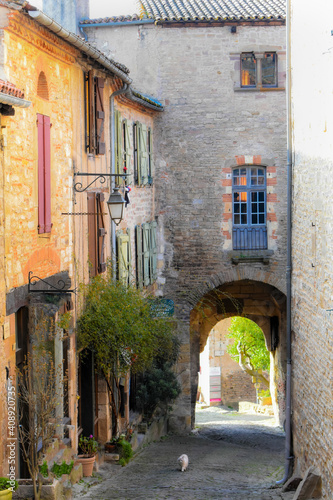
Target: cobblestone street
231	455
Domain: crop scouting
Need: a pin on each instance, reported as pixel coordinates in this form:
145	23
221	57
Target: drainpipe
288	444
123	90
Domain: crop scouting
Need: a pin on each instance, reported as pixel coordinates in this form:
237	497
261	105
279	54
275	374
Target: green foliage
60	469
264	393
125	451
252	340
88	445
8	484
117	325
43	469
157	385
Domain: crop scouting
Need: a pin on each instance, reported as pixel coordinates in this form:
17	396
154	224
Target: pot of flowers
88	447
7	486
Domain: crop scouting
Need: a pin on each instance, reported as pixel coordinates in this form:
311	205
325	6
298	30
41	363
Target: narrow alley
231	456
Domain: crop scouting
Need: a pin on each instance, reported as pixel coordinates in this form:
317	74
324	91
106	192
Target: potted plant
88	447
7	486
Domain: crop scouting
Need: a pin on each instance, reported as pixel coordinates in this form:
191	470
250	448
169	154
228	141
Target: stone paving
231	455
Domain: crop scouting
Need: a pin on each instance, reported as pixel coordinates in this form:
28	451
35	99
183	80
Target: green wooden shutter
146	257
128	151
118	145
122	257
142	154
150	156
153	252
139	256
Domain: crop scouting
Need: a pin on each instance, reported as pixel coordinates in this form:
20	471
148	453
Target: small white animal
183	462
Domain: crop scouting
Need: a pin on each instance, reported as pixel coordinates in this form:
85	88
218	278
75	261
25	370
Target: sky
105	8
108	8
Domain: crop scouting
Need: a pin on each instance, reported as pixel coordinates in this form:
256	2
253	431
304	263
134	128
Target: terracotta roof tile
10	89
112	19
214	10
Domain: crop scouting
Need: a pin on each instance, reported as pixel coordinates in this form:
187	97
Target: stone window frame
259	53
258	60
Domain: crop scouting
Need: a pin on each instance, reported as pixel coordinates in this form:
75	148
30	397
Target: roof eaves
117	69
145	100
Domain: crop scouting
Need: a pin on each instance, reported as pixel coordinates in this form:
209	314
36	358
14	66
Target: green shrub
60	469
125	451
158	385
8	484
43	469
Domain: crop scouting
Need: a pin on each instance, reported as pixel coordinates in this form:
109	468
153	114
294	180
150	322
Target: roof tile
214	10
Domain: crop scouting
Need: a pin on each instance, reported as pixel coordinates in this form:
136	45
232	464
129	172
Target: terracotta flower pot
87	464
6	495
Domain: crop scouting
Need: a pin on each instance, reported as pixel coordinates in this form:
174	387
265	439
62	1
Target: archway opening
264	305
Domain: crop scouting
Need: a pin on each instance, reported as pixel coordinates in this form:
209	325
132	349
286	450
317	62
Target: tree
118	326
249	348
40	394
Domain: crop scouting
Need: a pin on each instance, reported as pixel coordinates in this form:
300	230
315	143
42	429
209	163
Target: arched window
42	87
249	208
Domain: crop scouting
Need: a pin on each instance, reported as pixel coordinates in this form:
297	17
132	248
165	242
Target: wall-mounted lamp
116	202
116	205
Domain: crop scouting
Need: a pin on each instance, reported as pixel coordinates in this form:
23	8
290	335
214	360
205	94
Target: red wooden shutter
47	173
101	233
41	196
92	232
100	115
44	174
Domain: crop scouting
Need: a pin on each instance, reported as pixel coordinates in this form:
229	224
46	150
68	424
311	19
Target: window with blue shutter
249	208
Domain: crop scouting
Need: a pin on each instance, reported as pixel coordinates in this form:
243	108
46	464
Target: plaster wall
312	136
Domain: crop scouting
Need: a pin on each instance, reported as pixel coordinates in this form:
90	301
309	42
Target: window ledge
259	89
248	256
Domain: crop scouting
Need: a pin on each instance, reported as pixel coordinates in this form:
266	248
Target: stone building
222	379
220	160
66	109
311	152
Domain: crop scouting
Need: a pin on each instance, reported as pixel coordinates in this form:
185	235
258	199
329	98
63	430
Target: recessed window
248	70
268	70
258	70
249	208
42	87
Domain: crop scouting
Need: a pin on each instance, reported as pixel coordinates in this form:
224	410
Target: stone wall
312	242
209	126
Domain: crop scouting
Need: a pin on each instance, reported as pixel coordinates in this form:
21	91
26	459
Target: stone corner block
310	486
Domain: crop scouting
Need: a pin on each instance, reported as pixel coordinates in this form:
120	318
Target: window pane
243	196
236	208
254	196
254	219
261	218
236	219
261	196
269	69
261	207
248	70
239	177
243	208
244	219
